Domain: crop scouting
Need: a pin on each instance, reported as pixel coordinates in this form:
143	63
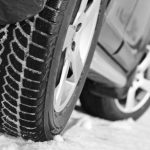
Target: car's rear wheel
134	105
44	62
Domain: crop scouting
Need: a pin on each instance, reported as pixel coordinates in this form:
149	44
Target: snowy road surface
88	133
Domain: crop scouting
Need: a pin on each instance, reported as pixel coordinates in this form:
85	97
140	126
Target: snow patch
85	132
12	146
86	123
58	138
125	124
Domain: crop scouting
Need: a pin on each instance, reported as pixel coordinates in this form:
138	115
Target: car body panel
123	37
109	69
138	25
109	38
117	18
119	13
128	57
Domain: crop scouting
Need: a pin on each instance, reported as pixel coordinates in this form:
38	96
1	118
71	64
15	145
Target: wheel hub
77	45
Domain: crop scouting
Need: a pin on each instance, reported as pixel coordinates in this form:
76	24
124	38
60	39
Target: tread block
54	4
10	115
31	84
10	100
13	74
45	27
16	64
12	83
34	64
10	127
27	124
49	14
27	101
29	93
25	27
32	75
28	117
37	51
9	107
39	39
29	135
10	132
21	38
2	34
10	91
58	5
31	19
9	122
18	51
24	129
26	109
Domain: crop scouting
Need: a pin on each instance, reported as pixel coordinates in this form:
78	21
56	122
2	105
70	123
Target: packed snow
89	133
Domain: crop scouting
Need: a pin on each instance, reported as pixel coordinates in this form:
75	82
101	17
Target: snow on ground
89	133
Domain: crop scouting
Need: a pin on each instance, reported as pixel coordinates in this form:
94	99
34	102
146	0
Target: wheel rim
76	48
139	92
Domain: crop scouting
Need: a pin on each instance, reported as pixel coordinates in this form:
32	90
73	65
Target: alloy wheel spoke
145	64
130	102
145	84
139	92
89	15
68	39
61	86
146	97
77	64
82	8
76	47
91	12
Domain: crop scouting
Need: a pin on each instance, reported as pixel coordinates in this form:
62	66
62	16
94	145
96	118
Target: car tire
106	107
33	57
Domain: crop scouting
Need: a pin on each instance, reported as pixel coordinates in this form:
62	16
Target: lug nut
73	46
78	27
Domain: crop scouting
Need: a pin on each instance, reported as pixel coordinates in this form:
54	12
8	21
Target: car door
136	35
117	18
139	24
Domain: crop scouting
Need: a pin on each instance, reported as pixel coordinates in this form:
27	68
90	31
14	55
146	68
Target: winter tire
44	62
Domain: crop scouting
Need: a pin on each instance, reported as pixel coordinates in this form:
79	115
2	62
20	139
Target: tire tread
26	55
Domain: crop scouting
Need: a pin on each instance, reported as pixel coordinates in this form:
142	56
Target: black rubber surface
29	59
105	107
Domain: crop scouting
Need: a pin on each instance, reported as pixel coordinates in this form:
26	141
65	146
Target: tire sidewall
55	122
